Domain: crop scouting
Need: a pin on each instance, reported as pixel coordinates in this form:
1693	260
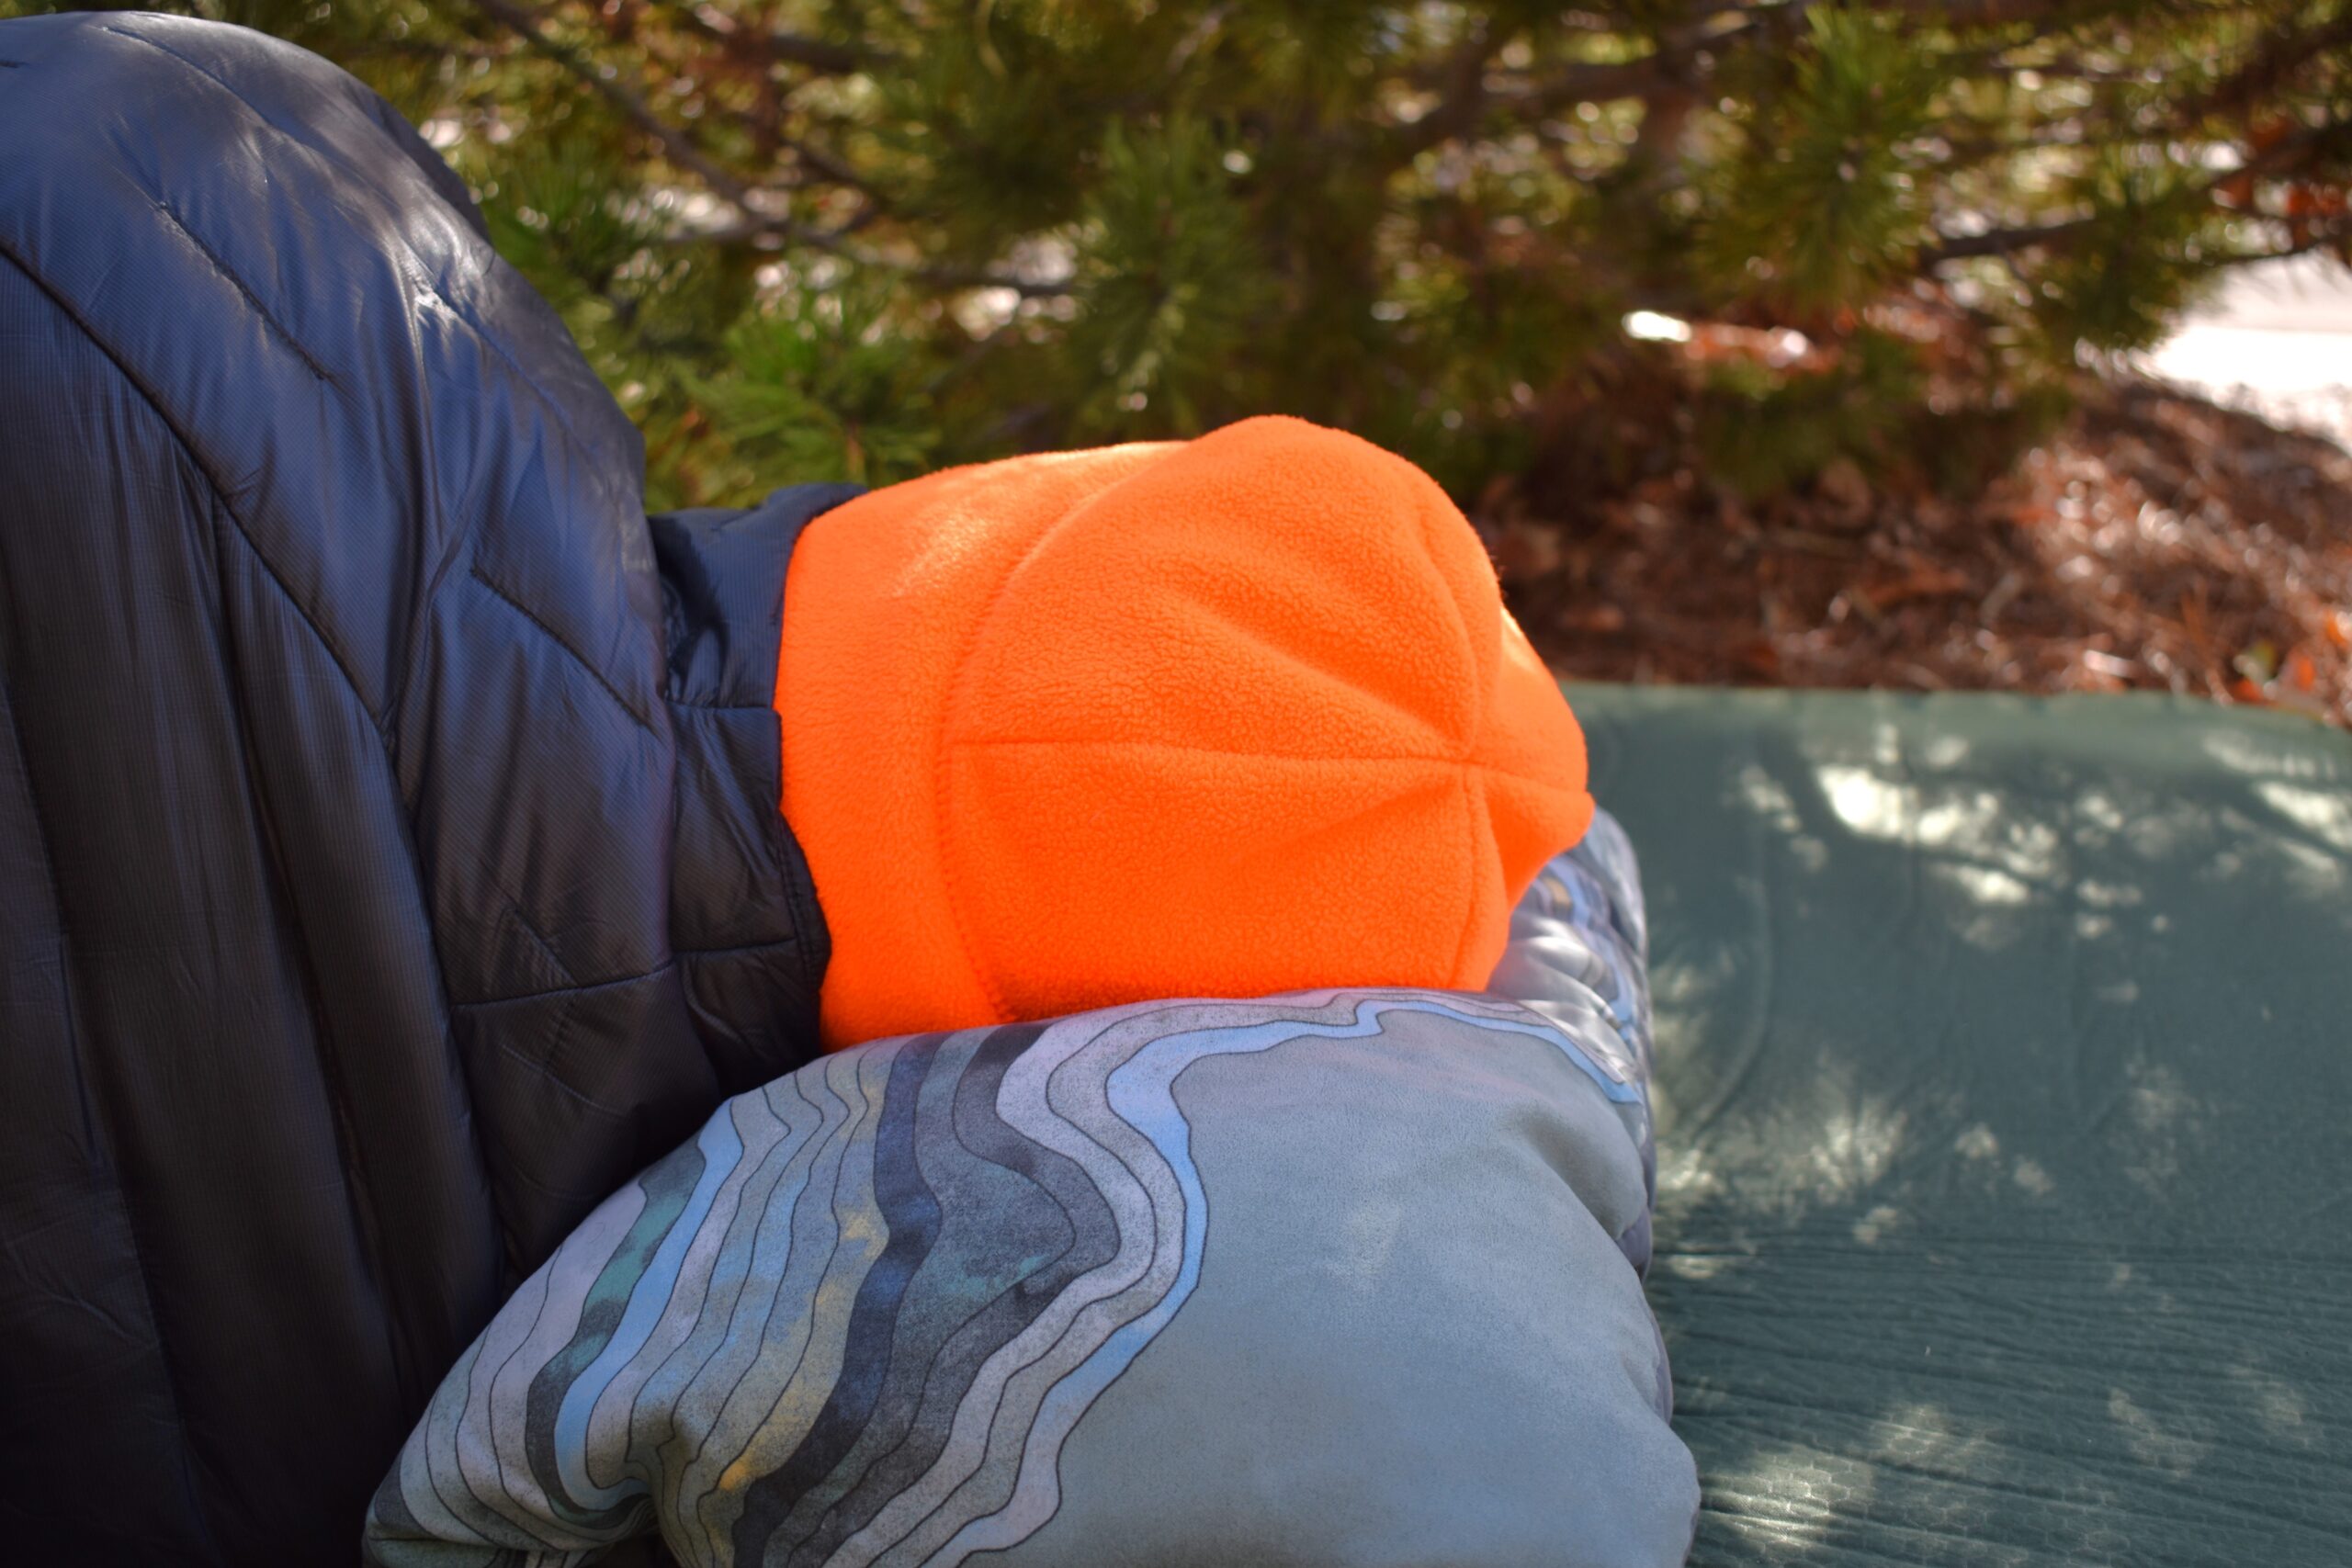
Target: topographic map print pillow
1342	1276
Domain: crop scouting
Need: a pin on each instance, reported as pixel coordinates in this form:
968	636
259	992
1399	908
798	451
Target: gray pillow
1342	1276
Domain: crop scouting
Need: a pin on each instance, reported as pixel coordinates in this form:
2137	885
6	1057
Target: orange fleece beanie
1219	717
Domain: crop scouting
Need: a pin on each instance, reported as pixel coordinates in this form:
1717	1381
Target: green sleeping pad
2005	1208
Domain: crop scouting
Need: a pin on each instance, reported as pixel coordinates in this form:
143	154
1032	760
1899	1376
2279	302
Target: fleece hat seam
1476	729
943	783
1471	889
1468	768
1487	678
1466	765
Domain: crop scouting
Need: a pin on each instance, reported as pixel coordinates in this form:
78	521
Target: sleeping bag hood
389	856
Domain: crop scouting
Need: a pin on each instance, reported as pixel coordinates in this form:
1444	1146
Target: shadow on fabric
2003	1070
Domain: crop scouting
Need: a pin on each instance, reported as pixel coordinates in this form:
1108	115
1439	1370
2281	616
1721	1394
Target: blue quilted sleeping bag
390	865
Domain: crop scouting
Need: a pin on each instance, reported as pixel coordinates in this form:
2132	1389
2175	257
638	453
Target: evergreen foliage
864	238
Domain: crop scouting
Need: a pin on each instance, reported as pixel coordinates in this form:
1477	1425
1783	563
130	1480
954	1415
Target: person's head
1221	718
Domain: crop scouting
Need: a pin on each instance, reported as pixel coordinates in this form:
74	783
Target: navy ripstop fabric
389	861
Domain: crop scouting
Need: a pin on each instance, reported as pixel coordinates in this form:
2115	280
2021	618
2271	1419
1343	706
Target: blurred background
1919	343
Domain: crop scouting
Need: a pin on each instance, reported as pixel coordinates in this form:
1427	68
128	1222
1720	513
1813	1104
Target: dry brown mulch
2156	541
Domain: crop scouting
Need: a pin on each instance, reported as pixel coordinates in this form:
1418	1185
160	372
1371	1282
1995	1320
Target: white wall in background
2276	339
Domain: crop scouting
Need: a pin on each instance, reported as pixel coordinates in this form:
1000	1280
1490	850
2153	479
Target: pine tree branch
833	170
418	49
1653	76
960	277
755	226
2061	136
1958	15
2288	154
1197	39
680	147
818	55
1671	73
2002	241
2281	157
2331	234
2260	76
1965	14
2269	70
1596	82
1462	96
766	118
675	143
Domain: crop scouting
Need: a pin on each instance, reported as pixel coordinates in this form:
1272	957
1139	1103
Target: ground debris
2155	541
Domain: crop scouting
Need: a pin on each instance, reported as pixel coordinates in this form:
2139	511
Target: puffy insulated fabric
389	855
1336	1279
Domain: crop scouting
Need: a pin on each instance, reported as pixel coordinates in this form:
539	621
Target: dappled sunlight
1967	837
1941	819
2109	894
1692	996
1775	808
2242	753
1921	849
1923	1437
1699	1266
2282	1409
1764	796
1989	885
2097	809
1979	1148
1986	1219
2161	1126
2314	871
1839	1151
2008	862
1832	1149
2324	814
1868	803
2175	1440
1853	1149
1789	1495
1685	1174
